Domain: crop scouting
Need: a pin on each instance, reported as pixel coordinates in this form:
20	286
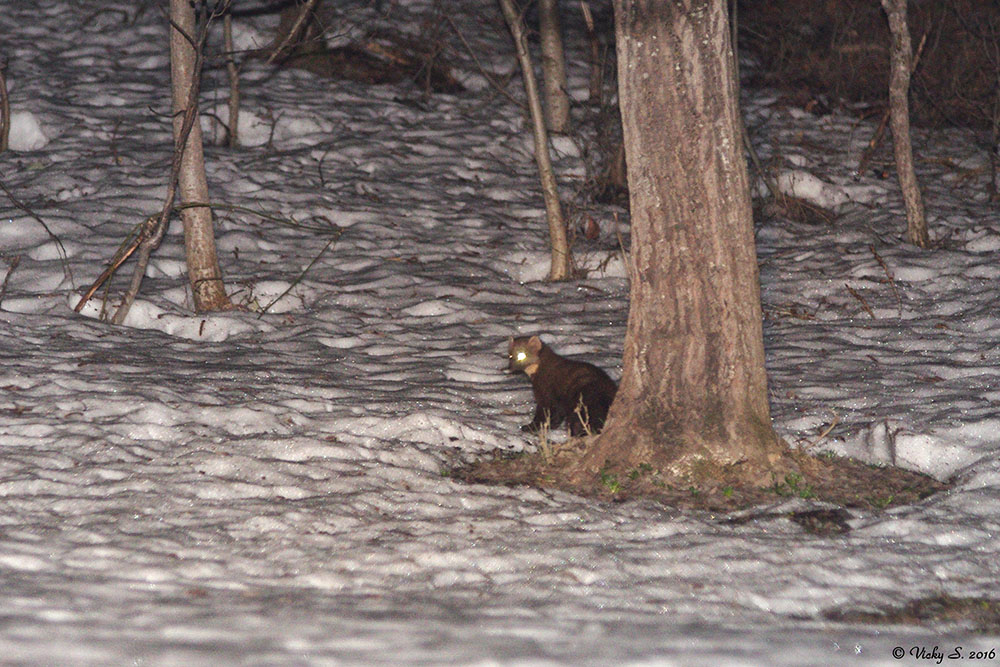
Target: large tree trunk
204	274
899	90
693	396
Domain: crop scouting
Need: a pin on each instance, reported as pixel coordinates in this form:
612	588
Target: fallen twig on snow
861	299
890	277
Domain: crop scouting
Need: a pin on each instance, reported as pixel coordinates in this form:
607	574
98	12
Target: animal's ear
535	344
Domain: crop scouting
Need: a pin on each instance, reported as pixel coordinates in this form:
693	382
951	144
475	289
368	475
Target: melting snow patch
26	132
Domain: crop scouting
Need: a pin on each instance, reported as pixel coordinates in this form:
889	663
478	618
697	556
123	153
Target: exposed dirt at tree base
969	614
841	481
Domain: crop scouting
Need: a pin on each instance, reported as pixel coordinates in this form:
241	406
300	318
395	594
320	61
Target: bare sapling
204	274
233	137
561	267
553	67
899	88
199	241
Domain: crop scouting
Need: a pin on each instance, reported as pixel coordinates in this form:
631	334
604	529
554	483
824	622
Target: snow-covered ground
240	488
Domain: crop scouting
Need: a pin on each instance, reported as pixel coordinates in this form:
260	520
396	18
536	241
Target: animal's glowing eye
521	356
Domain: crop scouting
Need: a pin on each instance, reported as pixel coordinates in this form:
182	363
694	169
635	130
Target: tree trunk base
723	488
759	460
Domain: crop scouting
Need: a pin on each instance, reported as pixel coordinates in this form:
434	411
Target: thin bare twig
125	251
890	278
826	432
303	274
876	139
491	78
294	32
861	299
14	261
67	272
626	259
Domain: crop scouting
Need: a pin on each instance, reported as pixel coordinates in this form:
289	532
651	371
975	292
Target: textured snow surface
239	489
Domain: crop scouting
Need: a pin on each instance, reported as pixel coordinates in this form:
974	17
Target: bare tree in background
553	67
899	90
233	137
4	107
561	267
204	273
693	395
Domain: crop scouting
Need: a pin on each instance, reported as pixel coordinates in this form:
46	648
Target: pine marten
565	389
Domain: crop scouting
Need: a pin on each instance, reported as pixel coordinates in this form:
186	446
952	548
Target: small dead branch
876	140
873	144
793	311
135	239
890	278
124	251
861	300
302	275
626	259
826	432
63	256
491	78
583	414
293	33
798	209
14	261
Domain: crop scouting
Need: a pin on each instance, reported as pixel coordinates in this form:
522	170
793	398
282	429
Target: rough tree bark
553	67
561	266
693	396
204	273
899	89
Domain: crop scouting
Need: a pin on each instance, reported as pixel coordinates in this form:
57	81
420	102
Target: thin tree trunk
233	140
899	89
693	395
561	267
553	67
204	274
4	109
595	54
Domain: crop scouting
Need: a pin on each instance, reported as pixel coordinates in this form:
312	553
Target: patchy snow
269	488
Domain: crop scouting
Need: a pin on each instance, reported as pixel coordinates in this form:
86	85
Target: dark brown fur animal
561	386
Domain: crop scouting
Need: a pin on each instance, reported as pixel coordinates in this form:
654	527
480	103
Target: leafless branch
14	261
67	272
294	32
